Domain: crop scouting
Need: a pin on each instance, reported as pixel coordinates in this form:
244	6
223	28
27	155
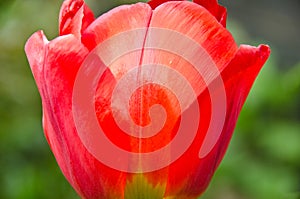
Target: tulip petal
75	16
238	77
64	57
37	51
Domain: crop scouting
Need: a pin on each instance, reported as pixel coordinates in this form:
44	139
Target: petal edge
35	48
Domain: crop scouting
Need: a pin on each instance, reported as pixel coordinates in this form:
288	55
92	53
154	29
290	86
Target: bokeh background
263	160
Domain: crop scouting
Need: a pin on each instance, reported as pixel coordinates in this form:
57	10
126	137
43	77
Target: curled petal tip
264	50
261	52
246	58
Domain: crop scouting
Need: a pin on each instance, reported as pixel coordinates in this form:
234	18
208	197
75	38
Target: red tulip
142	101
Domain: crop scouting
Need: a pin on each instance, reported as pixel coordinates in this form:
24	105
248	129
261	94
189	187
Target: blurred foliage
262	162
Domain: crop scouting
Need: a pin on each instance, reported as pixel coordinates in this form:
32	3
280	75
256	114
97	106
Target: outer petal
238	77
87	175
75	16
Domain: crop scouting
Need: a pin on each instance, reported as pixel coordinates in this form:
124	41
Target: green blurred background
263	160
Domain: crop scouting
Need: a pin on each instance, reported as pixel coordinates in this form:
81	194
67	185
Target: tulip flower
142	101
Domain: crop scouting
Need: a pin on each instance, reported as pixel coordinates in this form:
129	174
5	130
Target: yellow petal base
140	188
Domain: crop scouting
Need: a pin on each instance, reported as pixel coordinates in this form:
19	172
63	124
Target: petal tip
34	48
262	51
265	49
35	52
35	37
